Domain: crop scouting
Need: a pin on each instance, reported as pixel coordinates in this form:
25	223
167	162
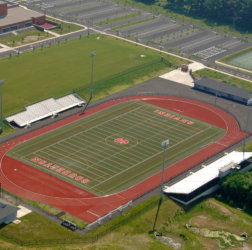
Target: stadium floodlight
164	145
249	103
91	87
1	83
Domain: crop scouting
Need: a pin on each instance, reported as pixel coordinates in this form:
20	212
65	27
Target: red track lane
34	184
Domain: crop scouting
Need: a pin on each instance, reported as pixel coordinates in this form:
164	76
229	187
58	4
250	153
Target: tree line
237	190
237	13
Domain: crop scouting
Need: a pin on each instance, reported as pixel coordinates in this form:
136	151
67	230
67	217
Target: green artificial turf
116	148
242	59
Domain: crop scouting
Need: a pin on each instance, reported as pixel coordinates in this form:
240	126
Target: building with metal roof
41	110
220	89
8	212
205	181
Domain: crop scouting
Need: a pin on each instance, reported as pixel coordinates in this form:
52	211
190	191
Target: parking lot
181	38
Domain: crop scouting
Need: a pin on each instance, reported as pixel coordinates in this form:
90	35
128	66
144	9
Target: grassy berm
214	225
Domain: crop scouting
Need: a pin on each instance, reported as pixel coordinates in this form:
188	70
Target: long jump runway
32	183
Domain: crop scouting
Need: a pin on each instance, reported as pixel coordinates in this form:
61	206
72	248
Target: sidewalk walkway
4	48
52	33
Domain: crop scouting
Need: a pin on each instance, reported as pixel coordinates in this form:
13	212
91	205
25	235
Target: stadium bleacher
44	109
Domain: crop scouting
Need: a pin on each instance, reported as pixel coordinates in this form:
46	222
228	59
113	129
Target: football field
116	148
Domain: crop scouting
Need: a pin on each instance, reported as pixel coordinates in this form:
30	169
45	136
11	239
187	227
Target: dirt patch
220	207
31	38
205	221
209	244
123	241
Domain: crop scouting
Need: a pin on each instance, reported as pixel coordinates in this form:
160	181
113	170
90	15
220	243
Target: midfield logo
121	141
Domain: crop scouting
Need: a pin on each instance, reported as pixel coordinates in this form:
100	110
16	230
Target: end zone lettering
61	170
174	117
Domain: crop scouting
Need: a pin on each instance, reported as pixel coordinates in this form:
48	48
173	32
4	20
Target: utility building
224	90
8	212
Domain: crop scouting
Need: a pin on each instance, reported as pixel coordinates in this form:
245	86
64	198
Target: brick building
14	17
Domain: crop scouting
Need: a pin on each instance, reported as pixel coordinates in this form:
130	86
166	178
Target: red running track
34	184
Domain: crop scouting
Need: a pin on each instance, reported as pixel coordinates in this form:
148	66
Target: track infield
116	150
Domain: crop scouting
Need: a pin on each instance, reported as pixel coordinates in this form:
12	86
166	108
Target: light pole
249	103
1	83
91	87
164	145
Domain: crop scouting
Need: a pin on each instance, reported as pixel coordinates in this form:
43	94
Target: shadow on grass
2	225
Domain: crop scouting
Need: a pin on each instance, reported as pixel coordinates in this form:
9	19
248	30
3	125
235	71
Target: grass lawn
132	229
35	228
7	129
214	75
42	206
248	147
24	38
64	26
57	70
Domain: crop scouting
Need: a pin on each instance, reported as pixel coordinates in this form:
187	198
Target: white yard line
150	157
101	151
87	129
112	129
74	160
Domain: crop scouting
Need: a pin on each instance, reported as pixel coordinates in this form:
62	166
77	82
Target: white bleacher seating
46	108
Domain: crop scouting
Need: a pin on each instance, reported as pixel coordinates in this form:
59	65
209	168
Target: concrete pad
196	66
22	211
16	221
183	77
179	76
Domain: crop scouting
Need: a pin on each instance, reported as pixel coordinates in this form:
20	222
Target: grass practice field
116	148
59	69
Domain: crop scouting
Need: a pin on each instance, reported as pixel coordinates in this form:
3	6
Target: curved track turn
34	184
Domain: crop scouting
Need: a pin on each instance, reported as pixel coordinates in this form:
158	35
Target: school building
14	17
